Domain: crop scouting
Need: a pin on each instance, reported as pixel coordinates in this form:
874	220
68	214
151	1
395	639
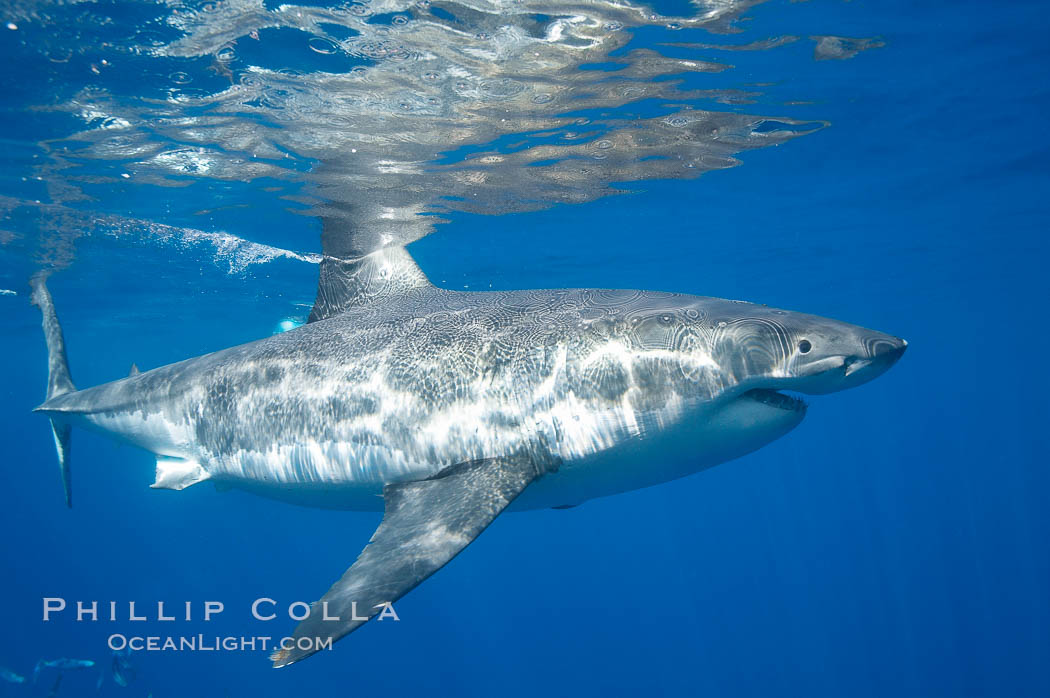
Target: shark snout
847	364
887	348
881	354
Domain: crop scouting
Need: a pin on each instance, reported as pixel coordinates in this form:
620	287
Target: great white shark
443	408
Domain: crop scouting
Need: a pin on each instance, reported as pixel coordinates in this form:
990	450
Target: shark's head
741	355
717	368
764	348
727	361
828	355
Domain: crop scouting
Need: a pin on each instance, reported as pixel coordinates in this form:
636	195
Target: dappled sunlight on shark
450	406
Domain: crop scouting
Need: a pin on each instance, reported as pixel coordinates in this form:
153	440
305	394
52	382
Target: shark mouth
776	399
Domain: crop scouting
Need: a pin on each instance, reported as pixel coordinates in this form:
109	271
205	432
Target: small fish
62	664
10	676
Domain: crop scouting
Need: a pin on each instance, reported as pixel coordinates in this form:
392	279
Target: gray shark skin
452	406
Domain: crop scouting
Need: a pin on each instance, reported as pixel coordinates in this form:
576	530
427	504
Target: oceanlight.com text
215	643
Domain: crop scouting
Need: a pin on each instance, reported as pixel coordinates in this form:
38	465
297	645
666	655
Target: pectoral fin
426	524
178	473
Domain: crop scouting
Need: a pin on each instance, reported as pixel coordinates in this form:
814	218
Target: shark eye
804	346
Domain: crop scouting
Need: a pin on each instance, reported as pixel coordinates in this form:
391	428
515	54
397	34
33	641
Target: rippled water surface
174	165
383	116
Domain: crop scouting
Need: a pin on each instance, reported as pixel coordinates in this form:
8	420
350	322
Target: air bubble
399	20
287	325
676	121
180	78
225	54
603	144
543	98
501	88
322	45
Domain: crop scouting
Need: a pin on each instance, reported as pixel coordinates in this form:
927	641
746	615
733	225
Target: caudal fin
59	382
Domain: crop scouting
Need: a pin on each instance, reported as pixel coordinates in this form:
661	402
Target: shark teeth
776	399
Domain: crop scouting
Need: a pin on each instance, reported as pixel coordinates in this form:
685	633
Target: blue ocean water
894	544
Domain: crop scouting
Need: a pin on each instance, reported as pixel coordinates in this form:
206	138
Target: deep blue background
895	544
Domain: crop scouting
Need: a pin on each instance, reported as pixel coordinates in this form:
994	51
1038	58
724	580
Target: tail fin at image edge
59	381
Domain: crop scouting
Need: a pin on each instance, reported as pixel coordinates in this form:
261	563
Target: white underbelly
701	441
693	444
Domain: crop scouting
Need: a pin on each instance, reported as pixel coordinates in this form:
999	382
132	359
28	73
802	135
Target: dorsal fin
347	283
134	371
358	269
